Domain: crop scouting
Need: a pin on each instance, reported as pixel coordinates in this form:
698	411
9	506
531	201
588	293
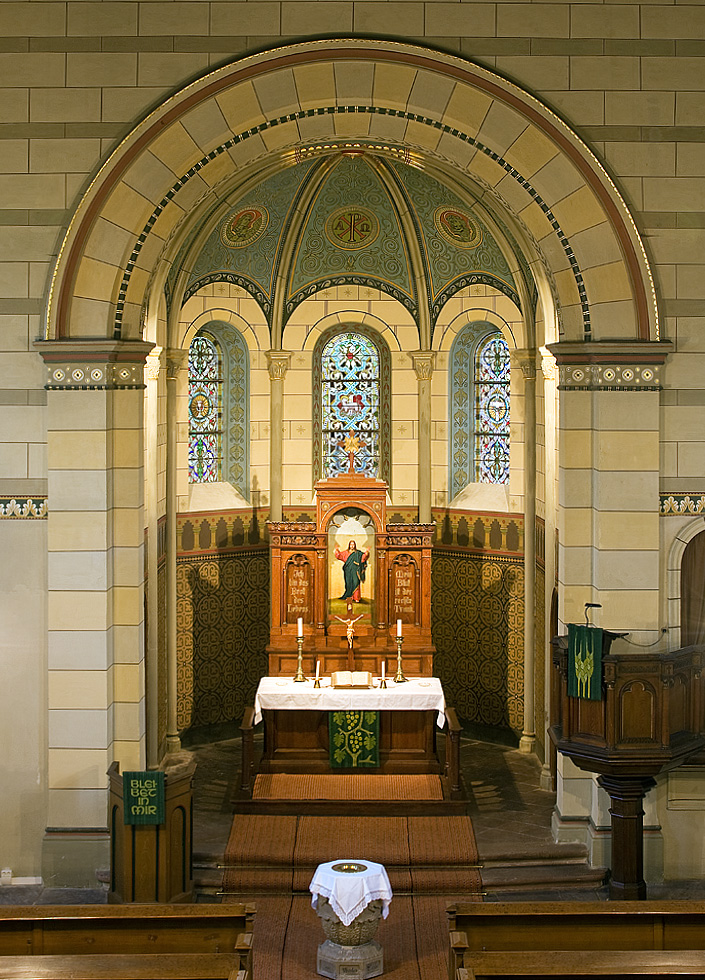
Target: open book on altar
351	678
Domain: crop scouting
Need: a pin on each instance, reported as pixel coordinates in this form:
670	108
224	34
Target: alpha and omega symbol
352	228
244	227
457	227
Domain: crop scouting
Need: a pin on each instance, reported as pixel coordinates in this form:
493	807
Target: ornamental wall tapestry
584	662
354	739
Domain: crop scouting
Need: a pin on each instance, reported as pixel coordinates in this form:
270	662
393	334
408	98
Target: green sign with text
143	797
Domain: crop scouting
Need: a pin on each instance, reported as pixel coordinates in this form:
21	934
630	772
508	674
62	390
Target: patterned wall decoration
258	220
477	622
222	612
346	240
24	508
682	503
458	246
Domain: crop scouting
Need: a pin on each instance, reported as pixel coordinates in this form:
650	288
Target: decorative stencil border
609	377
682	503
352	109
92	376
31	508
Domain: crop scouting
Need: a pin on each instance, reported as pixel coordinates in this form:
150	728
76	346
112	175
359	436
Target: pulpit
350	565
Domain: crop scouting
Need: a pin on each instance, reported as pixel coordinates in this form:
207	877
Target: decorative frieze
682	503
609	377
89	365
33	508
610	365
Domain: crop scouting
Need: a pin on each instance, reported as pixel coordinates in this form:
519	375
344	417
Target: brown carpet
347	786
271	860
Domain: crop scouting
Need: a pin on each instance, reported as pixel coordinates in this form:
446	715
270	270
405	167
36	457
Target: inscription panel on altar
404	590
298	591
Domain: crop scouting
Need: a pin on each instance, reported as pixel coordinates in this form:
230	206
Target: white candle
384	667
318	669
398	627
299	626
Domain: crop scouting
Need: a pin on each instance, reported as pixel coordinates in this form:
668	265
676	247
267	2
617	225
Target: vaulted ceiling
349	217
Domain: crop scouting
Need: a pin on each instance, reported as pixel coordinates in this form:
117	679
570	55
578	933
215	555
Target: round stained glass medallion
352	228
457	227
200	406
244	227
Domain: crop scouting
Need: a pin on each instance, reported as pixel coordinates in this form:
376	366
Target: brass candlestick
399	677
300	676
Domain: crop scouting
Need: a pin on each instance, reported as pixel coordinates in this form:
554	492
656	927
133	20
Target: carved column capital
549	368
278	363
153	364
175	357
525	359
424	362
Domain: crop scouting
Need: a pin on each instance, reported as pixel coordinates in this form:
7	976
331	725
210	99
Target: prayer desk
296	723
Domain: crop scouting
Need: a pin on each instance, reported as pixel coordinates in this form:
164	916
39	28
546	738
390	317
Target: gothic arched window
205	396
480	407
218	407
351	397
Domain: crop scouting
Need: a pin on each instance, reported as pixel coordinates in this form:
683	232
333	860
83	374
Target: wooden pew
560	965
114	966
554	939
191	931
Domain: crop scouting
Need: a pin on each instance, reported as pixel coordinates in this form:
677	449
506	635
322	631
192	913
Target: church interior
327	347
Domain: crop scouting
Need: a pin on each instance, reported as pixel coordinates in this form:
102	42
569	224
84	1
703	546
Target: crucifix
352	445
350	634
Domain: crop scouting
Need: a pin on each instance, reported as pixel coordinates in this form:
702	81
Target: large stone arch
404	98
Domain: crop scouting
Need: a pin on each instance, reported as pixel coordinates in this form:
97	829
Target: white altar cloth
417	694
350	894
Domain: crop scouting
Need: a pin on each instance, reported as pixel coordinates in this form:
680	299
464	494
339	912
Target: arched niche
486	132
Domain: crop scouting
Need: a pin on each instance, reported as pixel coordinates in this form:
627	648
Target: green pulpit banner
143	797
354	739
584	662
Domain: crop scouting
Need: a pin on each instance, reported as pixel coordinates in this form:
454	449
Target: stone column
424	362
278	362
608	515
151	374
526	360
176	358
96	683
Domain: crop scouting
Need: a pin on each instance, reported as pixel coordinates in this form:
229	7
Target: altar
296	720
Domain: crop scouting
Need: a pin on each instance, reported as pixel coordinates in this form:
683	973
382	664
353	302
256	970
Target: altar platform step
357	794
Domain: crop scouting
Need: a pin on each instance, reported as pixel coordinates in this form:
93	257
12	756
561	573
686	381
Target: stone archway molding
449	108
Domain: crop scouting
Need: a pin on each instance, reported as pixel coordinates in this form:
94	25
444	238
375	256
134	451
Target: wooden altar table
296	723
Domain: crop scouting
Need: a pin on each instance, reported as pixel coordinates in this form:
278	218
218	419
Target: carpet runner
431	862
357	786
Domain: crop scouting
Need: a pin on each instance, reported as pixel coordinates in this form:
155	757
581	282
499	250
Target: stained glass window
205	384
350	403
492	410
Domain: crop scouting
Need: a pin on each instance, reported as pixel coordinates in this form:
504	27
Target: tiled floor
511	816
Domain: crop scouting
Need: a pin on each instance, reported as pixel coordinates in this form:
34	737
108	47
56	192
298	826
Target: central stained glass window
492	411
350	403
205	385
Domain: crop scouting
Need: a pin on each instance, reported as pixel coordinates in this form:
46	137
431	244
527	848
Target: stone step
537	876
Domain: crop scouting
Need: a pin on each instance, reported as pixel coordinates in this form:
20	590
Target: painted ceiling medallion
244	227
457	227
352	228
